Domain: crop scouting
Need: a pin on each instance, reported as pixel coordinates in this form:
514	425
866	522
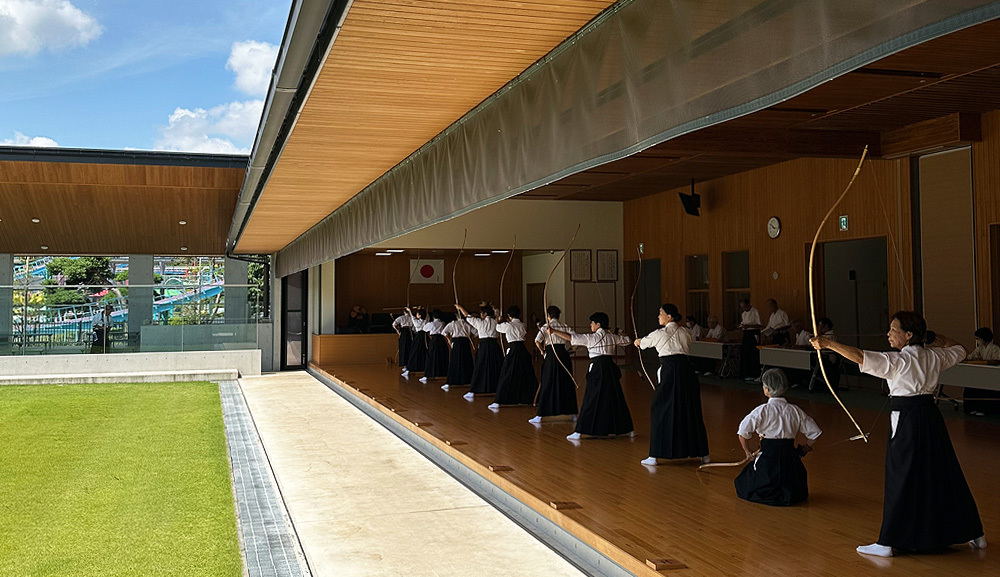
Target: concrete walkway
365	503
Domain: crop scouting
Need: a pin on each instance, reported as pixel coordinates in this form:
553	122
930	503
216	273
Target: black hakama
437	358
517	384
750	354
676	426
460	364
604	410
405	340
489	360
776	477
558	393
418	353
927	503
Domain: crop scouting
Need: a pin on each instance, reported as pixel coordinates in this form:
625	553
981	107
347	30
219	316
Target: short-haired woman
927	502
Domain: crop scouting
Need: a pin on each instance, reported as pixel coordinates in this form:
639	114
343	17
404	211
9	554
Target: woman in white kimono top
404	328
557	395
927	503
489	357
437	351
460	363
417	359
517	384
676	425
776	477
604	411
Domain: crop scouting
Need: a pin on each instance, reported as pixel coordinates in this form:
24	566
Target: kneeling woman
776	477
604	410
676	426
437	350
489	357
927	502
517	384
557	395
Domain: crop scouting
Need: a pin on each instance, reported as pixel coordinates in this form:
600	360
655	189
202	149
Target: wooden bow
812	298
733	464
500	312
635	327
454	271
545	299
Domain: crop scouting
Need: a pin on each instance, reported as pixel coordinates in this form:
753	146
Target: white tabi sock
651	461
494	406
573	437
535	420
468	396
978	542
876	550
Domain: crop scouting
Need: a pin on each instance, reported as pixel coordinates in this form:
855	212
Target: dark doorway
647	300
536	306
856	292
293	320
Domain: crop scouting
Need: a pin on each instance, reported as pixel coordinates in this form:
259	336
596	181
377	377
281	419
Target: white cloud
28	26
22	140
252	62
220	129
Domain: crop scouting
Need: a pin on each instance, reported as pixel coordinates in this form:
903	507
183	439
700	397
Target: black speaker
691	203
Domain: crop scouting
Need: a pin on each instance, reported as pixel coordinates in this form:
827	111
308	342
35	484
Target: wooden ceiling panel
112	209
397	75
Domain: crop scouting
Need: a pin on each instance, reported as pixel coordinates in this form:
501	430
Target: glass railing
98	319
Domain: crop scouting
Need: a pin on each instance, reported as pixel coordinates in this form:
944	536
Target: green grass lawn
102	480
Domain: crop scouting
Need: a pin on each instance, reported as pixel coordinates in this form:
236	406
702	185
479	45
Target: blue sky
144	74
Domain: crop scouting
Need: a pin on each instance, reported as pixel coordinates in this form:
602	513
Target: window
697	287
736	285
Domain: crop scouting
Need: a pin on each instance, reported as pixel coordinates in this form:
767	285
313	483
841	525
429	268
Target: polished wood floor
633	513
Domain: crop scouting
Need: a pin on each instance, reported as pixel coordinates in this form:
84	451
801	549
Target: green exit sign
843	222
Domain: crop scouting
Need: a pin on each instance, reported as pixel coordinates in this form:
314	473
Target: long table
976	376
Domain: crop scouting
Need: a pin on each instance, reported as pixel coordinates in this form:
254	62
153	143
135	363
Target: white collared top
434	327
913	370
718	333
543	337
987	352
599	343
778	319
802	339
513	330
418	323
402	321
672	339
750	317
778	419
458	328
486	328
696	331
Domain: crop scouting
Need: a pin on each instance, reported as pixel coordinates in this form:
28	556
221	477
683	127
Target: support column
236	273
6	300
140	300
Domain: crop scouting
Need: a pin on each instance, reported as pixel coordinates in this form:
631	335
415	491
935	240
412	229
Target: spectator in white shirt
979	401
694	328
777	324
716	332
749	355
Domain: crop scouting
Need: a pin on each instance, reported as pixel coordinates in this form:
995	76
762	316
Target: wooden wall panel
734	213
340	349
380	281
986	199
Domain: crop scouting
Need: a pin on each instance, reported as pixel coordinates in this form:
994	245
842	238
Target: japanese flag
426	271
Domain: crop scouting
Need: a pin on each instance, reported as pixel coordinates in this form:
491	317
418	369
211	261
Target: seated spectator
695	328
986	349
980	402
800	334
358	321
716	332
777	324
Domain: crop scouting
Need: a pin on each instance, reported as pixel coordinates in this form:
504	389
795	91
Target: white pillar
6	299
140	300
236	272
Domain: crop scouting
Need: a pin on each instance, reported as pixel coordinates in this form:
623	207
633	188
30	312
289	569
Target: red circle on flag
427	271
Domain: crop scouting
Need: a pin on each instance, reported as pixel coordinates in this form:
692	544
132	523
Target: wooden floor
633	513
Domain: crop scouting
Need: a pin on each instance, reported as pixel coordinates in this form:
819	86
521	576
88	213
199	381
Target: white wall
541	225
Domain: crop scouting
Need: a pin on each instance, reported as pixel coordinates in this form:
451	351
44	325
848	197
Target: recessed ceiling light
383	254
35	220
184	248
394	250
499	251
182	222
45	247
482	254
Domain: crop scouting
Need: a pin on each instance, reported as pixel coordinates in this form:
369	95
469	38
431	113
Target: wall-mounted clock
773	227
